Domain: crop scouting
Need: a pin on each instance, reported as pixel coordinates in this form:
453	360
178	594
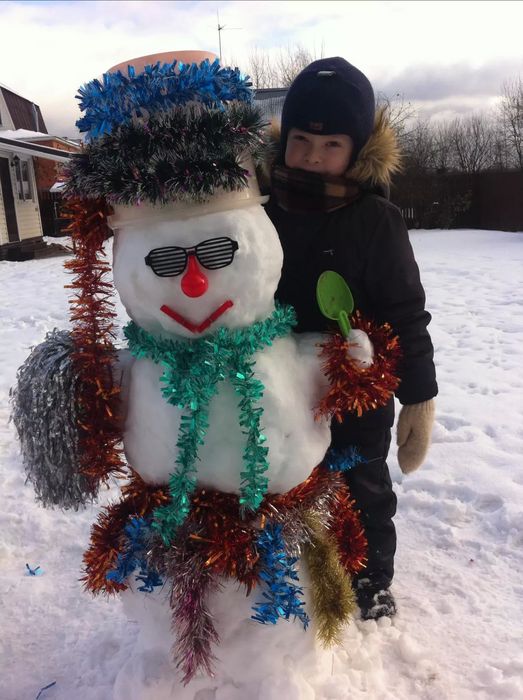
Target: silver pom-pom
45	413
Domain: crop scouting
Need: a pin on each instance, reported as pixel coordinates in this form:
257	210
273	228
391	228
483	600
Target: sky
445	58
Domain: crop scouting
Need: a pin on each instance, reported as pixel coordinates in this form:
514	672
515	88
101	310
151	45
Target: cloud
429	51
433	82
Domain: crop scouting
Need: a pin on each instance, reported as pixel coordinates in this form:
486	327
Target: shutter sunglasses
212	254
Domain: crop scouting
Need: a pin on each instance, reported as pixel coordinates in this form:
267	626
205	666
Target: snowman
231	520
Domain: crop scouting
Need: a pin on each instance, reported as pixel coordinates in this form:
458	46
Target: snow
28	135
23	134
459	566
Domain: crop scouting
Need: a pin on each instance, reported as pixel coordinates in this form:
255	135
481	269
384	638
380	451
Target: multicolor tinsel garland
354	389
158	87
100	423
215	541
192	371
108	538
184	155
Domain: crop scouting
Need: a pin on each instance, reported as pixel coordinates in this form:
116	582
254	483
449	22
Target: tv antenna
221	27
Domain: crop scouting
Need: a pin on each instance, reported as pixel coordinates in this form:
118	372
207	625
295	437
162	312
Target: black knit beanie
330	96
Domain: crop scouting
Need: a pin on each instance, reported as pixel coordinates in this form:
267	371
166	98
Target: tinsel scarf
191	377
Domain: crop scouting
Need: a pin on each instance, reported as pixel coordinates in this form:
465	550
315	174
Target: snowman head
187	275
169	148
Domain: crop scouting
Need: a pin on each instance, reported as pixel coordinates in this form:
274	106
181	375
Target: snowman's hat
163	131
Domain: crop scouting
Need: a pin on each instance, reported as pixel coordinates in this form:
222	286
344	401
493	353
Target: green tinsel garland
192	371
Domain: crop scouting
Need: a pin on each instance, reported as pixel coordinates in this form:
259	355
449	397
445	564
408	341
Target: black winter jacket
367	243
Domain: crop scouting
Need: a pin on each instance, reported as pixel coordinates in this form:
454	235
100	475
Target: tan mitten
413	434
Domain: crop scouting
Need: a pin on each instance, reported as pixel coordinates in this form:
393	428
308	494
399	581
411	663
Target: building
30	162
270	101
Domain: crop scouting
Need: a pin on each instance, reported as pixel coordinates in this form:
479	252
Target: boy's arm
397	296
395	290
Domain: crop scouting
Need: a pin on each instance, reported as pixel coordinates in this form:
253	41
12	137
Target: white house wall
7	122
28	211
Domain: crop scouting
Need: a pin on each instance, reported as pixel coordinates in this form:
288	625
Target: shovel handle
344	324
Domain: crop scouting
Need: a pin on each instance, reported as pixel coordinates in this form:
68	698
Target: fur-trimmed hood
377	161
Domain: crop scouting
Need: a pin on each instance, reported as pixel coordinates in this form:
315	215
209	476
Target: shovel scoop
335	299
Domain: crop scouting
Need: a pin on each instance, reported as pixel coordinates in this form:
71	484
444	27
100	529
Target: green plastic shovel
335	299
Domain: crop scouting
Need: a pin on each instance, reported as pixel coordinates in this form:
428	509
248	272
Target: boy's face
316	153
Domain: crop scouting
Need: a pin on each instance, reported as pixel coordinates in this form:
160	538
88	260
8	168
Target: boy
328	203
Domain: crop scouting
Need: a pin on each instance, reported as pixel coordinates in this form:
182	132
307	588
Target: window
23	179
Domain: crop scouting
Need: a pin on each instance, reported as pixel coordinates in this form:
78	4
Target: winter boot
374	602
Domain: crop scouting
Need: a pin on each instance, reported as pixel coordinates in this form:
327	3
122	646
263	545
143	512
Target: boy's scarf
299	191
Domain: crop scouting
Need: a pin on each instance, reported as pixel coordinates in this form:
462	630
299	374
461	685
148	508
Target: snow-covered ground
459	581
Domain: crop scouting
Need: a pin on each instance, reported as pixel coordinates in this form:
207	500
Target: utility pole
221	27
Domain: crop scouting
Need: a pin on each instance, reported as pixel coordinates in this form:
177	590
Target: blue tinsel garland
343	459
192	371
120	97
281	597
133	557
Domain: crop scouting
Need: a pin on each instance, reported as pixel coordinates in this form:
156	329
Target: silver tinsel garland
45	414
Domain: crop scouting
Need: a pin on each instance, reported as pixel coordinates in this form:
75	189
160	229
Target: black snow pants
371	488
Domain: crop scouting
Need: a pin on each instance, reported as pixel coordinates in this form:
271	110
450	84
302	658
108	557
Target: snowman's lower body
254	661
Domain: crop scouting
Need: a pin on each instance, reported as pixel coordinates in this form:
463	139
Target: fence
486	200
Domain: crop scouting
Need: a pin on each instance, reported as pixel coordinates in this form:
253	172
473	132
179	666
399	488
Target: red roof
24	113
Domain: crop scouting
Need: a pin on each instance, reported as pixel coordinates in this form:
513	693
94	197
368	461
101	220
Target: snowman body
293	383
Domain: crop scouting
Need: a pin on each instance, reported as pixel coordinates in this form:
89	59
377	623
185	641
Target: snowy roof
33	149
32	136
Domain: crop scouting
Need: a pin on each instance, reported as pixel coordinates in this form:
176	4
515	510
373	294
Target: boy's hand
413	434
360	348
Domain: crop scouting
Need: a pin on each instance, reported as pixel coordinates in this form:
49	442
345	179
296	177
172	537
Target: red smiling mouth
192	326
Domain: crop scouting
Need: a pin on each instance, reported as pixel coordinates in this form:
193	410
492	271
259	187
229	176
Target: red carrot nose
194	282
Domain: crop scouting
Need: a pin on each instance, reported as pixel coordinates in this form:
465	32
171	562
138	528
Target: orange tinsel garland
349	534
353	389
91	314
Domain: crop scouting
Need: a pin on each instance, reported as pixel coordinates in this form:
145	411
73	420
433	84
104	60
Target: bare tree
444	154
401	114
279	71
419	147
261	70
511	108
473	139
292	61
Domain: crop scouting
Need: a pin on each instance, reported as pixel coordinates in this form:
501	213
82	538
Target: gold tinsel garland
333	599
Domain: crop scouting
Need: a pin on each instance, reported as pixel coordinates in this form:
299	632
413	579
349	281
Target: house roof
33	149
24	113
270	93
36	136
